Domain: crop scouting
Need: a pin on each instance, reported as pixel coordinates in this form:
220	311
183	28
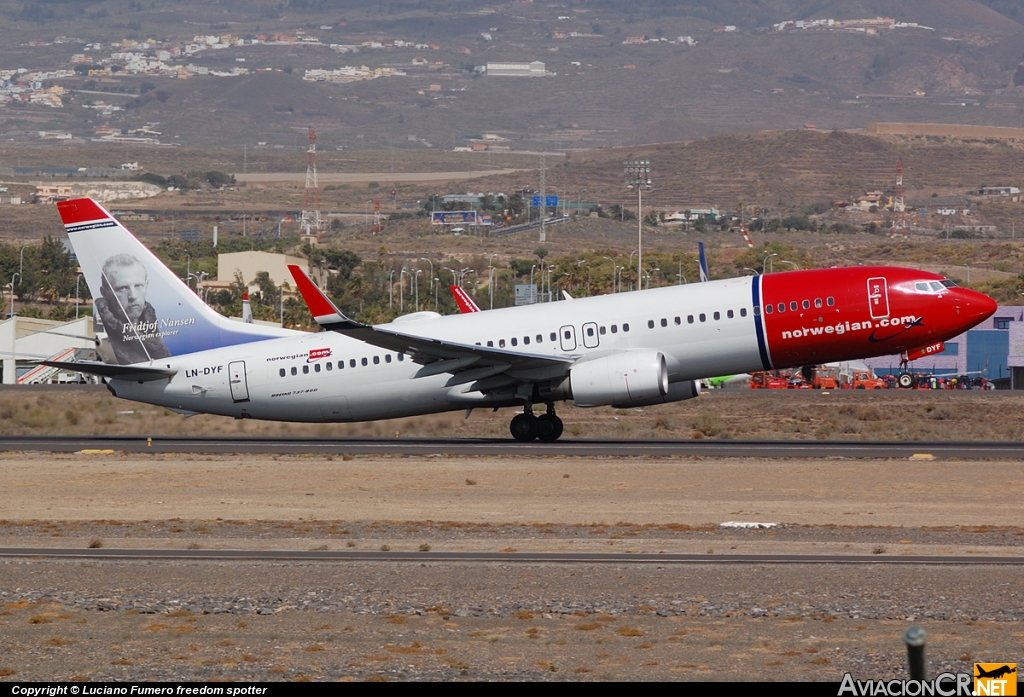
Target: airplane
634	349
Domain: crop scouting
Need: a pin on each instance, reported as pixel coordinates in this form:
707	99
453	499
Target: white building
533	69
25	340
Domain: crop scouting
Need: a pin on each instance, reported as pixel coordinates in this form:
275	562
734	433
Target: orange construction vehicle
825	379
768	381
862	380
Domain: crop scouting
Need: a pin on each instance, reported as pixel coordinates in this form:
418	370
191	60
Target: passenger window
515	342
491	344
526	341
540	338
330	366
689	319
729	314
817	302
305	370
341	365
782	307
364	361
718	316
767	309
501	343
352	362
793	305
615	329
601	331
316	367
679	320
568	334
664	322
294	371
807	304
401	357
743	311
387	358
281	372
625	327
554	337
590	331
831	301
376	360
703	317
650	324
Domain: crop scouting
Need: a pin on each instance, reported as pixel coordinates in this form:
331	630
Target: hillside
603	90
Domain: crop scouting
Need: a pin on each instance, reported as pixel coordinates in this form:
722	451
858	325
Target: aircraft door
878	297
590	335
236	378
567	336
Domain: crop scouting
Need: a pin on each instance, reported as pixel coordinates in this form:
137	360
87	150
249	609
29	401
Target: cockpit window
932	286
936	286
948	283
921	286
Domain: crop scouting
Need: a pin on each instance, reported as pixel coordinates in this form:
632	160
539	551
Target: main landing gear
526	427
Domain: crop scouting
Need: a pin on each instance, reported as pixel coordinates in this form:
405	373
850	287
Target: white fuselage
331	377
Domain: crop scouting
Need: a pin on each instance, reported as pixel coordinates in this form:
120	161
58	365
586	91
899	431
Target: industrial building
25	340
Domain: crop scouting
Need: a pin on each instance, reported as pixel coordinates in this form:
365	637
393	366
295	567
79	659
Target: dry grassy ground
730	413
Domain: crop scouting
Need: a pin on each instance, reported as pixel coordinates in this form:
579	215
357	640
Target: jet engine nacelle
621	378
677	392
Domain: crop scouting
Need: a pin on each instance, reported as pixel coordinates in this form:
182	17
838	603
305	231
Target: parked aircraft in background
632	349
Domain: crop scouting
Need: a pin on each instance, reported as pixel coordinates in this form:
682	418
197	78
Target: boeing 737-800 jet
630	349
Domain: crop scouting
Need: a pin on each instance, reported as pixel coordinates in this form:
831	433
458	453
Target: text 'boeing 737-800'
641	348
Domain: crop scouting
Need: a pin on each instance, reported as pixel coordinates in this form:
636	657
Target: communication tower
310	221
899	210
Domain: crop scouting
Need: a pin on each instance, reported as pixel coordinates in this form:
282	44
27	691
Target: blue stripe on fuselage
762	347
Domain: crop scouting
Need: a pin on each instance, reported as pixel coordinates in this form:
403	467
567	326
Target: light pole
417	279
784	261
431	279
401	289
631	264
16	275
21	262
78	280
199	276
773	254
391	289
638	174
188	270
437	282
490	282
455	276
747	268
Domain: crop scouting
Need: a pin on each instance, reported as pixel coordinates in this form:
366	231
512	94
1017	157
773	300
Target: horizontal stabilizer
114	372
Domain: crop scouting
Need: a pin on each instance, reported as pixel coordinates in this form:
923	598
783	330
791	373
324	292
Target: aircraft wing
113	371
437	355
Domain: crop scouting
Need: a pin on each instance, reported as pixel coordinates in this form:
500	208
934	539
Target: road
576	448
454	557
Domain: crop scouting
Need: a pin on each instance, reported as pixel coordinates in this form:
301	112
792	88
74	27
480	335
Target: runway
501	557
574	448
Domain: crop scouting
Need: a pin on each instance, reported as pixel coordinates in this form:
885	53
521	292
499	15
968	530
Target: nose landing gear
526	427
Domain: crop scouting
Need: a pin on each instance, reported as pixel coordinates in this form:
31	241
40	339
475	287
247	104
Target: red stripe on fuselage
859	324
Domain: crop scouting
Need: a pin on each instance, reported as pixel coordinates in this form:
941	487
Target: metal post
638	174
915	638
78	280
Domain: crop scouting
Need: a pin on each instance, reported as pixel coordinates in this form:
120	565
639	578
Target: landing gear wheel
549	428
524	427
905	380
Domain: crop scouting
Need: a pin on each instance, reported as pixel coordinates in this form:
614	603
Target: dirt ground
196	620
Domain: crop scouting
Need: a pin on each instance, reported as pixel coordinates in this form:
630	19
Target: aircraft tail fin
146	311
462	299
703	263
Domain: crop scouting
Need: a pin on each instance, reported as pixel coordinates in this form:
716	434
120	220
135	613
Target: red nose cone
978	305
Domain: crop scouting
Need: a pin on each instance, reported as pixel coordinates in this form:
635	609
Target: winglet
462	299
320	306
704	276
